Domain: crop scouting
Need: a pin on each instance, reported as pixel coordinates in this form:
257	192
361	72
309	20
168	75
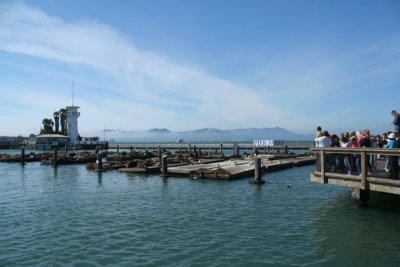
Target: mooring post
221	148
22	156
237	152
99	162
117	149
190	147
164	165
66	148
362	196
159	153
131	148
286	150
55	157
257	172
195	151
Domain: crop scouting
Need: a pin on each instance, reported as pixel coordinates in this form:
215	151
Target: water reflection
23	174
100	179
55	172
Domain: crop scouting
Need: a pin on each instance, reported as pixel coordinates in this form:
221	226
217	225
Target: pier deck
376	180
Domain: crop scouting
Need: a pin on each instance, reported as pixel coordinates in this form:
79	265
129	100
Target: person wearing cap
396	120
391	144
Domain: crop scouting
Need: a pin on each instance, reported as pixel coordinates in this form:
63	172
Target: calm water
74	217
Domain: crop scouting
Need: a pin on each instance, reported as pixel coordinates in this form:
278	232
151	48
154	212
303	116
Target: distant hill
205	135
159	130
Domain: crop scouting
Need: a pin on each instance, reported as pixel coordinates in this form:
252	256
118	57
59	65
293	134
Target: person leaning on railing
344	143
365	142
392	143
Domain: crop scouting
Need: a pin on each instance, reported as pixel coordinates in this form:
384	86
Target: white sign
268	142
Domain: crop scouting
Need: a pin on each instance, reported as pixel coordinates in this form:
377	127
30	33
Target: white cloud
152	86
120	86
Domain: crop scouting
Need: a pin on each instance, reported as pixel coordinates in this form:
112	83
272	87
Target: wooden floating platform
238	168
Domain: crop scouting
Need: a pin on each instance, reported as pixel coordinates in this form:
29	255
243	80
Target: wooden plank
384	188
339	175
390	182
336	181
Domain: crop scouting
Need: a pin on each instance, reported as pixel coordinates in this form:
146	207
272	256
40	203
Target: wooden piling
361	196
190	147
66	148
221	148
237	151
164	165
117	149
257	172
286	150
255	151
159	153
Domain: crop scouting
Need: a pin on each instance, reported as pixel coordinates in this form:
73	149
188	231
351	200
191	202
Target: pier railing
366	169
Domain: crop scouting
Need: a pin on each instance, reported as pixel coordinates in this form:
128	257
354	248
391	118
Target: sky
183	65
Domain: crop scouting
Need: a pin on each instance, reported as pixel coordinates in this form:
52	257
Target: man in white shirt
323	141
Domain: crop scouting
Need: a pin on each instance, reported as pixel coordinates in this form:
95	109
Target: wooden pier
236	147
330	170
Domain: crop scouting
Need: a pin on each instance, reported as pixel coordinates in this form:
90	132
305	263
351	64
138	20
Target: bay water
70	216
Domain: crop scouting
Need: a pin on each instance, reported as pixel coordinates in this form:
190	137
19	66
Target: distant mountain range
205	135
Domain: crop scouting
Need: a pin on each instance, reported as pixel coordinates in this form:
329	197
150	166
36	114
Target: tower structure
72	124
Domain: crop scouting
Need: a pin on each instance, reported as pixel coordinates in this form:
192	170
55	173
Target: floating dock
237	168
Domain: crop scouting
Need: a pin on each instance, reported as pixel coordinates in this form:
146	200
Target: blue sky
185	64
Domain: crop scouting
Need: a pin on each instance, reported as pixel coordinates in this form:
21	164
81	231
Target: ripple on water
70	216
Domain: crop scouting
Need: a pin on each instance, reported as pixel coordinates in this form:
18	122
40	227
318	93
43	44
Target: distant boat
180	141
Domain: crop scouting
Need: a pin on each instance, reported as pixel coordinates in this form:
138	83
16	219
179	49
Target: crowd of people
358	139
